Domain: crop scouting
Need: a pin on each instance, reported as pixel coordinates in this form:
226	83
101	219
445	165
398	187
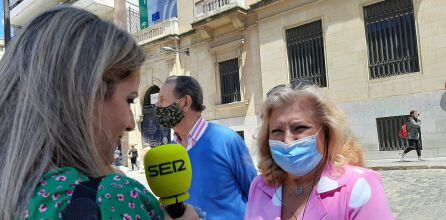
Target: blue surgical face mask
299	157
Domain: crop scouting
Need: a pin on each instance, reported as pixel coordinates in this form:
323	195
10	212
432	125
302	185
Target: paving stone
416	194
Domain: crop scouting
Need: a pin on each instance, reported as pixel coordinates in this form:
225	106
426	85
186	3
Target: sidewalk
384	164
138	175
407	164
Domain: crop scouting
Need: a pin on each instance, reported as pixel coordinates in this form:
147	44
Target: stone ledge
421	167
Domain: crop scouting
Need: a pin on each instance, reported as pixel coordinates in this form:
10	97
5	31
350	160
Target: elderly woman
311	167
67	82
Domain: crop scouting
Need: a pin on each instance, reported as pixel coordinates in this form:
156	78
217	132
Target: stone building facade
213	39
378	59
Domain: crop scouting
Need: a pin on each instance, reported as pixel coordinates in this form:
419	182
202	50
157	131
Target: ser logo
166	168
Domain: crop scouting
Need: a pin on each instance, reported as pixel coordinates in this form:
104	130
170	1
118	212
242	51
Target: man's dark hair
412	112
186	85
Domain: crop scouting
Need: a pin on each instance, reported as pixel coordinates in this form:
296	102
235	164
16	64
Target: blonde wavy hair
51	78
342	147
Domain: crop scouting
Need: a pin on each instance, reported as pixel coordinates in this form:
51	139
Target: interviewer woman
67	82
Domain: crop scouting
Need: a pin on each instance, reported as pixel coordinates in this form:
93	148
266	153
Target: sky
2	24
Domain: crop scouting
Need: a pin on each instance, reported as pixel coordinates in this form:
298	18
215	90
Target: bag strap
83	202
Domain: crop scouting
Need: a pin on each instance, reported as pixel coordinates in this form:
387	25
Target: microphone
169	174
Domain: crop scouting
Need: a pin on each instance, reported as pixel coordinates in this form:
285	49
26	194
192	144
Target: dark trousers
413	145
133	161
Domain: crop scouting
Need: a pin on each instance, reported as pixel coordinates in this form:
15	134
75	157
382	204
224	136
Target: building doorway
152	132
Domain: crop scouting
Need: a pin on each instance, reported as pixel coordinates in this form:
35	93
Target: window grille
388	133
229	81
306	53
391	38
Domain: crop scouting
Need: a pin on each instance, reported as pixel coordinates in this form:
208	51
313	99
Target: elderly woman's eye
300	128
276	131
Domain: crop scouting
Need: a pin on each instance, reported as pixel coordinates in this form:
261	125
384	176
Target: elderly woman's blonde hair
52	76
342	147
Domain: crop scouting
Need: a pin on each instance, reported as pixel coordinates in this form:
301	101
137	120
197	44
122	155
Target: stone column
125	149
119	18
119	14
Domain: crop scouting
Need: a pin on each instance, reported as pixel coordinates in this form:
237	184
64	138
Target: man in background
222	168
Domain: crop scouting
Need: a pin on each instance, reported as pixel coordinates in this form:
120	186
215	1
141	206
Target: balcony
159	30
101	8
208	8
211	15
23	11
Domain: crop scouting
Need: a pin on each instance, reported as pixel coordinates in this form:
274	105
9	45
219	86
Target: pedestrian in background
118	157
413	134
311	167
133	155
67	81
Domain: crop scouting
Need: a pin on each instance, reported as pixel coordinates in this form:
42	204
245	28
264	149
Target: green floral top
119	197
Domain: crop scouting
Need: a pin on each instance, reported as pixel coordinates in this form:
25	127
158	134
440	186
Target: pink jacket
356	193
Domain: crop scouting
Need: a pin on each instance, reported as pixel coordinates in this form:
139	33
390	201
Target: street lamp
172	50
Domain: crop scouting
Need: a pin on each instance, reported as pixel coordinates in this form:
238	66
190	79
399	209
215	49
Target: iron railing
207	8
154	32
305	49
388	133
157	31
229	81
133	20
391	38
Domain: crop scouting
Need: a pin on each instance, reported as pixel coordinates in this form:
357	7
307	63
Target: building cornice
263	3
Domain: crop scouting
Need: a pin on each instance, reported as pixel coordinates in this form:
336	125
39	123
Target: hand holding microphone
169	174
189	214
